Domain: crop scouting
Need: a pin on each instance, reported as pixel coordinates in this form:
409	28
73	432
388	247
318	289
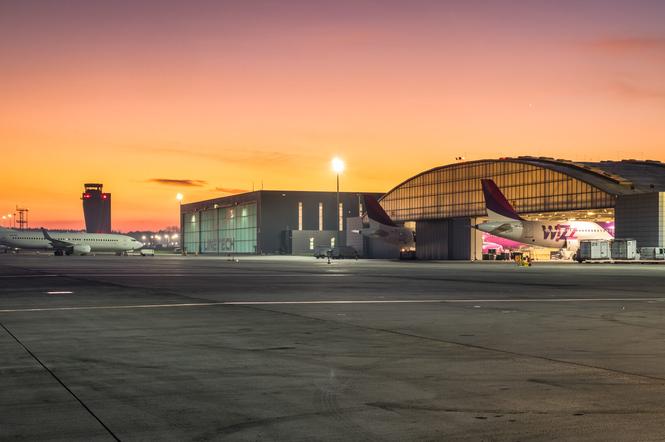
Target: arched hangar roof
532	184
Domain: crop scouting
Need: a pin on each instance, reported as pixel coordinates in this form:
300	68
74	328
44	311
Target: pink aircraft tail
496	202
376	212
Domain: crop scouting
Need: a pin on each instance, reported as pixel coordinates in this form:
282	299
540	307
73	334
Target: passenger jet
504	222
378	224
68	243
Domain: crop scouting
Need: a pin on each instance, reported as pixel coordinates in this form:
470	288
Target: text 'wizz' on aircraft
503	221
377	224
68	243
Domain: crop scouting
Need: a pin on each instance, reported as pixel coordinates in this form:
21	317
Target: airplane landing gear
58	253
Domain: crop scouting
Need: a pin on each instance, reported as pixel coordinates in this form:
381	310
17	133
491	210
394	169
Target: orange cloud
230	190
174	182
633	91
629	44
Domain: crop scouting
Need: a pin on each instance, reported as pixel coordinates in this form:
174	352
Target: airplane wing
56	243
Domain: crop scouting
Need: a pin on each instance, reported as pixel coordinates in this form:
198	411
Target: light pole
338	167
179	197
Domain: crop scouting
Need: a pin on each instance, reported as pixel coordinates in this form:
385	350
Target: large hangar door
465	241
641	217
432	239
448	239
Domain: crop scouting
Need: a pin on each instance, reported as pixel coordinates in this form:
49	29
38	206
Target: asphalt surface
196	348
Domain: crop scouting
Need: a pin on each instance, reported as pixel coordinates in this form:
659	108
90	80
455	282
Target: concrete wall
355	239
641	217
300	240
379	249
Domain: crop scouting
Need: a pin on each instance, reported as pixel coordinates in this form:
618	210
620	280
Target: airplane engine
572	245
81	249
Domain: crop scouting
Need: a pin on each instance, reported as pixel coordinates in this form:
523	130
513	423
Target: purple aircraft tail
376	212
496	202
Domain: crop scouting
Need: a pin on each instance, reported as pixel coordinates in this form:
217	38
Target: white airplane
377	224
68	243
504	222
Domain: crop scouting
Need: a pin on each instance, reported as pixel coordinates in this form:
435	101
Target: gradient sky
210	98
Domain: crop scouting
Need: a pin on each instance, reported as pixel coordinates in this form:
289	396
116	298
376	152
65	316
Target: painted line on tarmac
110	307
28	276
440	301
162	275
368	301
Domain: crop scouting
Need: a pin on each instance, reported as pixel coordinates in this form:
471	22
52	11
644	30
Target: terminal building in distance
442	204
96	209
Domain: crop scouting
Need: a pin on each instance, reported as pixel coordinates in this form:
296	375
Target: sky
210	98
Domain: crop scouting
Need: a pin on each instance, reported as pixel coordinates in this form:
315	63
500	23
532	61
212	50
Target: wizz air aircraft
68	243
504	222
377	224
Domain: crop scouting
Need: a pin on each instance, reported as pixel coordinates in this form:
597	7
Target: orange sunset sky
225	95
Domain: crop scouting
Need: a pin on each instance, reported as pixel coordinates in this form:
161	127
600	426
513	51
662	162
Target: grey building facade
268	222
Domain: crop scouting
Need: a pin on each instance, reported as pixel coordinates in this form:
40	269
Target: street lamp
338	167
179	196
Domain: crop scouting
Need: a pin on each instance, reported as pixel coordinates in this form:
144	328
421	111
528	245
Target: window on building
300	215
332	242
340	220
311	244
320	216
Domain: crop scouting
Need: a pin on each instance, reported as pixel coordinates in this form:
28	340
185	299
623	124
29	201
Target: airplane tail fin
498	207
46	235
376	212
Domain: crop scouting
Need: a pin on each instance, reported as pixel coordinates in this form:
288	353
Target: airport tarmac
286	348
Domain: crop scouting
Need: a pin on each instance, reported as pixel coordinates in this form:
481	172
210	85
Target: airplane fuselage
98	242
553	234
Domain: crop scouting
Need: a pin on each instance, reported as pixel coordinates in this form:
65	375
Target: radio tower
21	221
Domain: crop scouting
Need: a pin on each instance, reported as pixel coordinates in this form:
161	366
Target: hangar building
268	222
446	201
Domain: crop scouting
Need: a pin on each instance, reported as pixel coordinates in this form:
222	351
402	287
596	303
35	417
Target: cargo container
624	249
593	249
652	253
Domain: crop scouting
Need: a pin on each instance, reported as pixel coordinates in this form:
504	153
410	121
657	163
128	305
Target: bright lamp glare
179	197
337	165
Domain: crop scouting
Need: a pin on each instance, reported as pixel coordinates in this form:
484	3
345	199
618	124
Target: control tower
96	209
